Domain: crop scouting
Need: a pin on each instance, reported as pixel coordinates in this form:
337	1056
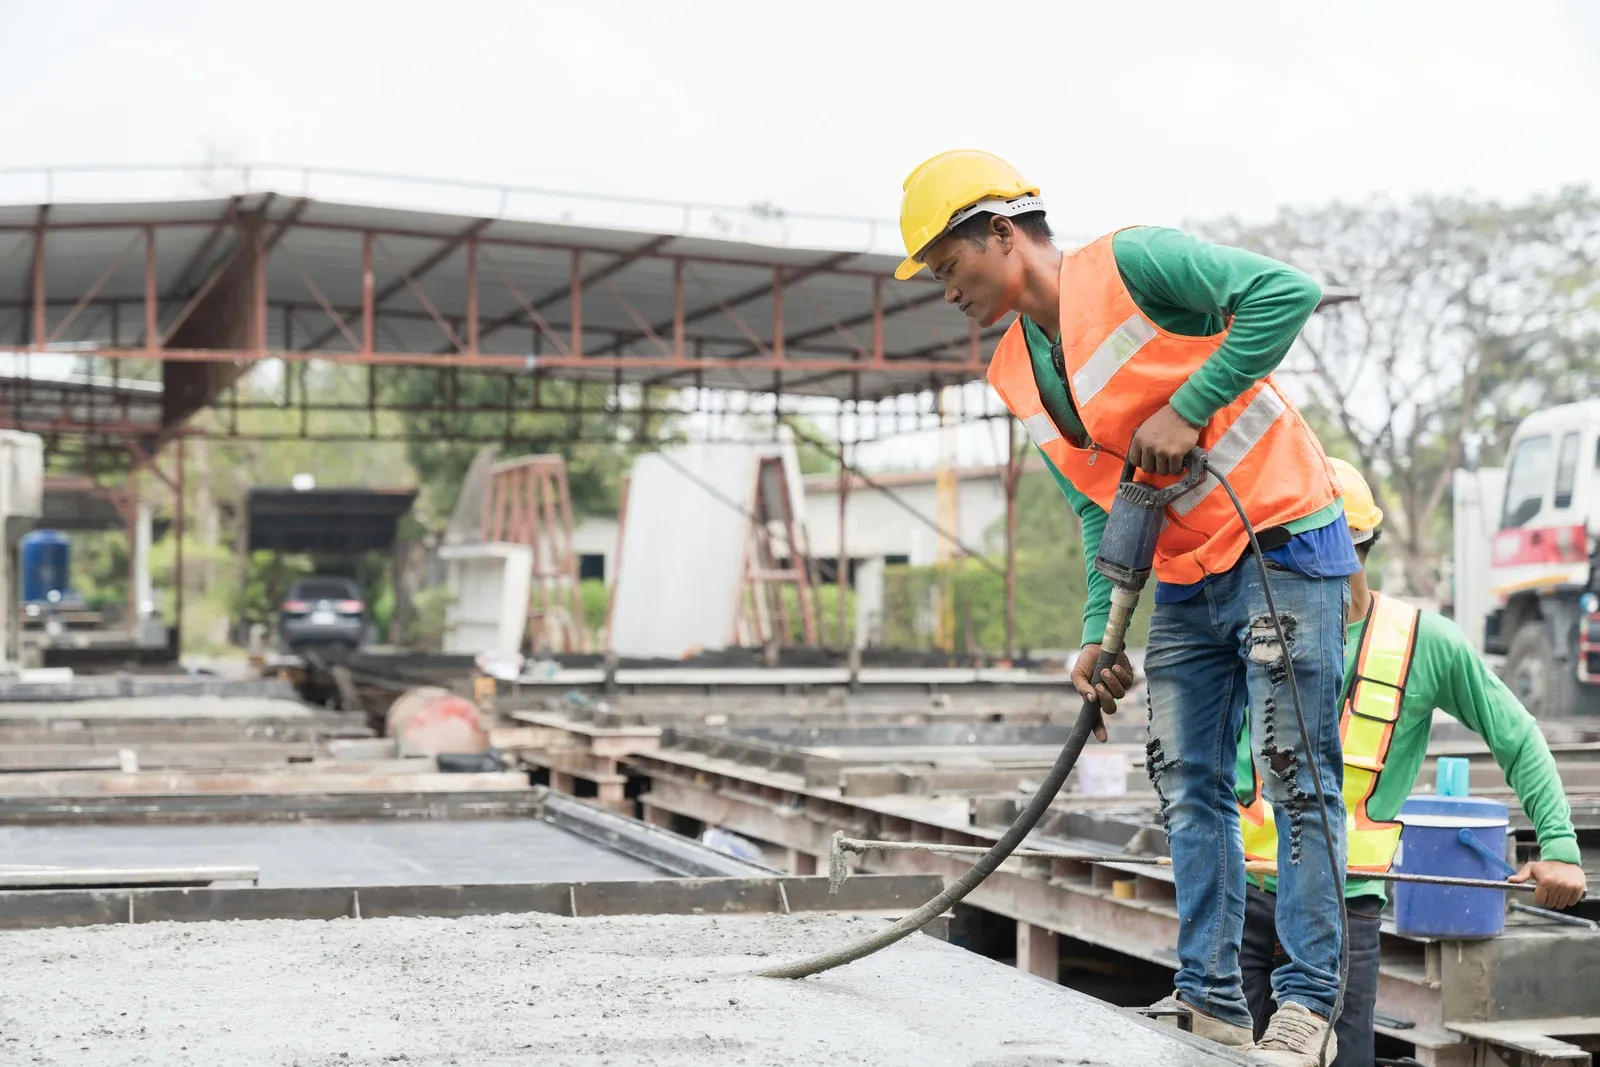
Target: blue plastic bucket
1429	844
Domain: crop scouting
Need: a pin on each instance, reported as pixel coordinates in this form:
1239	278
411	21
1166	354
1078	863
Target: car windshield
1526	480
325	589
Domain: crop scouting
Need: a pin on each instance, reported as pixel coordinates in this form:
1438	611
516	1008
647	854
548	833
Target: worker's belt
1273	537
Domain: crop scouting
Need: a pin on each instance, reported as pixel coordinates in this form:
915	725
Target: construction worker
1143	345
1426	659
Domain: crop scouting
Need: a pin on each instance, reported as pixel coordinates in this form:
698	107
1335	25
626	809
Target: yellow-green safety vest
1366	727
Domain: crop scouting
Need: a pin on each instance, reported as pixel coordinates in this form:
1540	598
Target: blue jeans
1210	657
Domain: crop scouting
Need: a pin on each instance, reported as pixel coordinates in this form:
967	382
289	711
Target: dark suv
323	611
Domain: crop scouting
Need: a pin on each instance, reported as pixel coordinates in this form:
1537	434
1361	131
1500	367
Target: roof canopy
326	520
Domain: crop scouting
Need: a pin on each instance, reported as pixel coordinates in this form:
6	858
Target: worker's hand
1561	885
1161	444
1113	683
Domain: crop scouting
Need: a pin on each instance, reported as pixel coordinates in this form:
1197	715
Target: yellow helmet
950	188
1361	511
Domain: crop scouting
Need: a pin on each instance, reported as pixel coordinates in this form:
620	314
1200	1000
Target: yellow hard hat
950	188
1361	511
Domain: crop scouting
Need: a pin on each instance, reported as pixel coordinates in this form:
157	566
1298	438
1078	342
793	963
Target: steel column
40	324
472	297
152	329
367	310
575	302
258	289
677	311
777	314
842	560
877	321
178	527
1012	479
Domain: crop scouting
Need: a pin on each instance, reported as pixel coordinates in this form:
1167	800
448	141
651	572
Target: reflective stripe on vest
1120	369
1366	728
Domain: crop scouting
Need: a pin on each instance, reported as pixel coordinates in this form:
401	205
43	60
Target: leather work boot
1201	1024
1294	1038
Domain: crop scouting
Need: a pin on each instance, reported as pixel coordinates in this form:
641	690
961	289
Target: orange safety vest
1371	708
1121	369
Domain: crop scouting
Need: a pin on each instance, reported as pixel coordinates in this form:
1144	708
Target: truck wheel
1547	687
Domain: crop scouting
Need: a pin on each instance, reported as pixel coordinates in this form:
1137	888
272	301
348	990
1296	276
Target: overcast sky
1153	111
1158	111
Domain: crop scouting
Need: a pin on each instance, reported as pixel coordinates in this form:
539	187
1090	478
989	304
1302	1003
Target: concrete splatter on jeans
1280	778
1156	765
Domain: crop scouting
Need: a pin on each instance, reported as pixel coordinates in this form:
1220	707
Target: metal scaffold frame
528	503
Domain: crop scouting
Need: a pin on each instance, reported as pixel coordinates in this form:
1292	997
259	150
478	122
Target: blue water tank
46	565
1430	844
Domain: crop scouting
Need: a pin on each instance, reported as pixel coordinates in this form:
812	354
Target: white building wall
878	526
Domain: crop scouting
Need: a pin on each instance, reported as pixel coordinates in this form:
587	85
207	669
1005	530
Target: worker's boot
1294	1038
1201	1024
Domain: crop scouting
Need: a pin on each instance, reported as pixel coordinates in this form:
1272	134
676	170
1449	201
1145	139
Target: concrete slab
504	990
339	854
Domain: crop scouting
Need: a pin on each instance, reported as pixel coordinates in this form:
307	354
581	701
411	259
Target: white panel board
683	546
488	610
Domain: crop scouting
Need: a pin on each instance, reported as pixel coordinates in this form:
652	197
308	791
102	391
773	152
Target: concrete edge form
669	851
117	877
36	909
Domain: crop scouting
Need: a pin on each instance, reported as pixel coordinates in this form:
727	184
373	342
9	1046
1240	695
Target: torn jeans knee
1263	648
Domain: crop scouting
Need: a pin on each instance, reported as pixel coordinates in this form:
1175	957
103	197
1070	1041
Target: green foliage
100	568
596	597
1472	314
599	447
825	613
425	625
1051	585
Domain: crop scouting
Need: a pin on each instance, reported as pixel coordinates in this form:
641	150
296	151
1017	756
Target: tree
578	420
1459	301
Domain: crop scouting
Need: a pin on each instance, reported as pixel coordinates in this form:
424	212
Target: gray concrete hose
1122	605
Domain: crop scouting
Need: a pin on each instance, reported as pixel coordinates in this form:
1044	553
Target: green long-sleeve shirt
1187	286
1447	673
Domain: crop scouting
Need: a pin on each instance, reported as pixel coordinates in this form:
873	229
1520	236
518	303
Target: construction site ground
666	990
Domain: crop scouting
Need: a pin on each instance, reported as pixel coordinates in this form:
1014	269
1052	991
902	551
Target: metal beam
423	266
189	275
555	296
791	276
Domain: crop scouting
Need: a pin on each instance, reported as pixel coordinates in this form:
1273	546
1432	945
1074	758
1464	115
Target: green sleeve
1264	303
1092	517
1472	693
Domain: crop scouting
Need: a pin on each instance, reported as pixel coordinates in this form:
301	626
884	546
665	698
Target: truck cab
1543	563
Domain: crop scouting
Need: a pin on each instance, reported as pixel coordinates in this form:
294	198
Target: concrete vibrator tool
1126	557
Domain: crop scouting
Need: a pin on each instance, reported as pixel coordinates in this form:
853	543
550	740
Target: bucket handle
1468	838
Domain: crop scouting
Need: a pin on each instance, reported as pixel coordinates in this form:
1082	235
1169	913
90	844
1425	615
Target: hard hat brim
908	269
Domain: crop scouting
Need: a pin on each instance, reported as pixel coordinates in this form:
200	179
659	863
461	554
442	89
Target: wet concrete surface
503	990
337	854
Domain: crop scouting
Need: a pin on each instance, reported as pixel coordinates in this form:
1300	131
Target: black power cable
1065	760
1311	758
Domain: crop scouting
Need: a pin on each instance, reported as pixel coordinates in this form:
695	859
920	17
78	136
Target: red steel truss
209	290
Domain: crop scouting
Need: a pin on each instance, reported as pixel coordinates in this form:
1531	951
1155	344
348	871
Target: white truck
1536	586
